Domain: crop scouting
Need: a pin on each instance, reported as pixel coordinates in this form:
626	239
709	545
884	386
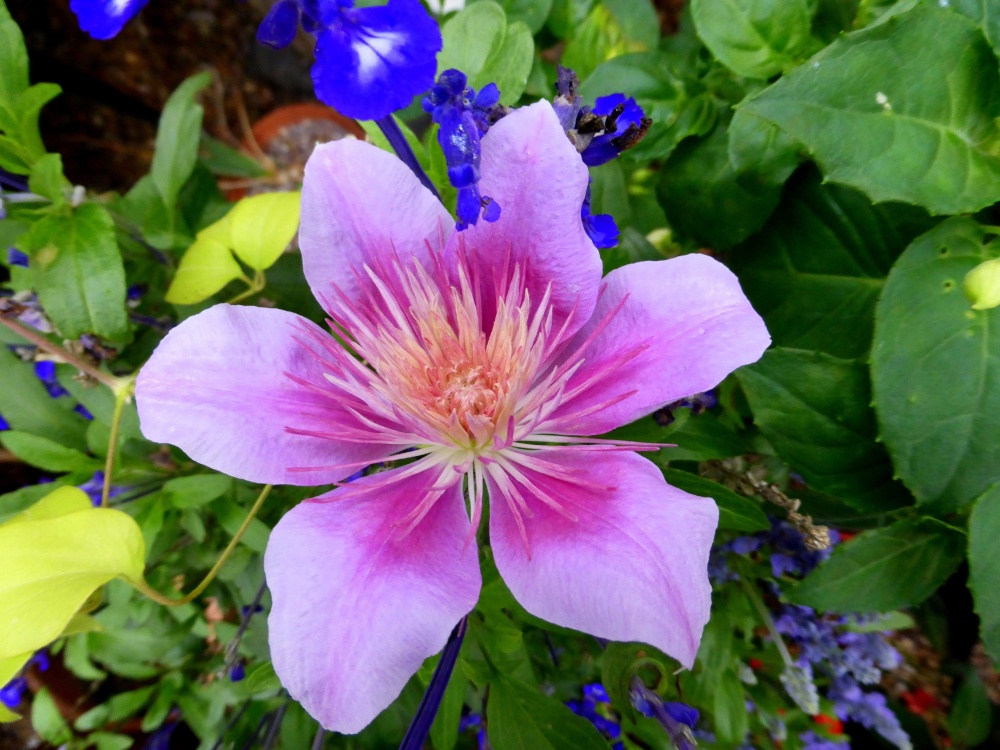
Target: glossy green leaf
736	513
986	13
261	227
755	38
984	568
47	721
263	680
815	410
29	104
876	115
971	716
206	267
47	454
79	272
53	564
520	717
702	198
597	38
816	270
884	569
530	12
177	138
936	369
191	492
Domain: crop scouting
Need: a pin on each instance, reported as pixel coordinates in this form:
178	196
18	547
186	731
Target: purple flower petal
280	25
103	19
627	519
356	609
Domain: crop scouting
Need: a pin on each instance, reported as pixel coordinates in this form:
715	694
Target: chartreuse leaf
755	38
261	227
63	501
520	717
815	410
53	563
79	272
736	512
984	568
936	369
884	569
878	117
177	138
816	270
207	266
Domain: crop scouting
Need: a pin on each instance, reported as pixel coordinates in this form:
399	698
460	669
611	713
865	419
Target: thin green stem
122	394
765	615
159	598
255	285
53	348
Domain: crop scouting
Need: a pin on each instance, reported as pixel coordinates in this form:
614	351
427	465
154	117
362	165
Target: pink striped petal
625	559
539	180
683	326
359	205
217	388
356	610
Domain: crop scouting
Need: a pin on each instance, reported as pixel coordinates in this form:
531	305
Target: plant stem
159	598
257	284
390	129
765	615
53	348
122	394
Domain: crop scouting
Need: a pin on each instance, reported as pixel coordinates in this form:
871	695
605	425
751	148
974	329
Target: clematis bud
982	285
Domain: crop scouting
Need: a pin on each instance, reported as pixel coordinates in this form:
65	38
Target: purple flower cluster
596	708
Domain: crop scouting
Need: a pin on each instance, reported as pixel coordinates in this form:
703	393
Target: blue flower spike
464	117
103	19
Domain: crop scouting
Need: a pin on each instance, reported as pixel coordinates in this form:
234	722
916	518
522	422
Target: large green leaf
27	406
13	60
984	568
986	13
905	110
520	717
936	369
47	454
736	512
53	563
815	410
816	270
762	154
884	569
80	277
177	138
755	38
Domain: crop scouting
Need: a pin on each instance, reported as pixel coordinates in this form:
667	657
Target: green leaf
971	716
755	38
177	138
47	721
262	226
638	20
520	717
27	406
206	267
444	730
762	154
985	13
878	117
815	410
816	270
110	741
984	568
80	277
702	198
13	60
736	513
52	566
530	12
597	38
191	492
509	64
471	36
263	680
884	569
936	369
729	708
47	454
46	179
29	104
225	161
60	502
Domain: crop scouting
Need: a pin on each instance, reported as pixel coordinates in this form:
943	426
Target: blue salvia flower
95	486
624	125
596	708
871	710
679	719
4	424
463	117
601	228
812	741
12	693
45	371
16	258
369	61
102	19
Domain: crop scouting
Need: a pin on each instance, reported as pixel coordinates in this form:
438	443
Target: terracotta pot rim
271	124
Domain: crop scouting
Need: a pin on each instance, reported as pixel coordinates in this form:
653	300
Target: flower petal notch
103	19
473	359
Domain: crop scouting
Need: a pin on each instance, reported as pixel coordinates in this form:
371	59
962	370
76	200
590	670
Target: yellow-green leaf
61	502
221	231
206	267
9	668
52	565
262	226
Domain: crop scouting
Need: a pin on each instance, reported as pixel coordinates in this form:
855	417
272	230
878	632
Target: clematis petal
633	564
216	387
355	609
684	325
536	176
102	19
360	203
373	61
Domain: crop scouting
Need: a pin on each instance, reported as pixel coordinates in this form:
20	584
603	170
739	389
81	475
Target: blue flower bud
279	26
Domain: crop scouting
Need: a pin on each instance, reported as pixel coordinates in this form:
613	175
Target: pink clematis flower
481	360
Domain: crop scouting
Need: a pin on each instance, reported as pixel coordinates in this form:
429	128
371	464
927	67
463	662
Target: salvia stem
390	129
122	394
420	727
51	347
159	598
